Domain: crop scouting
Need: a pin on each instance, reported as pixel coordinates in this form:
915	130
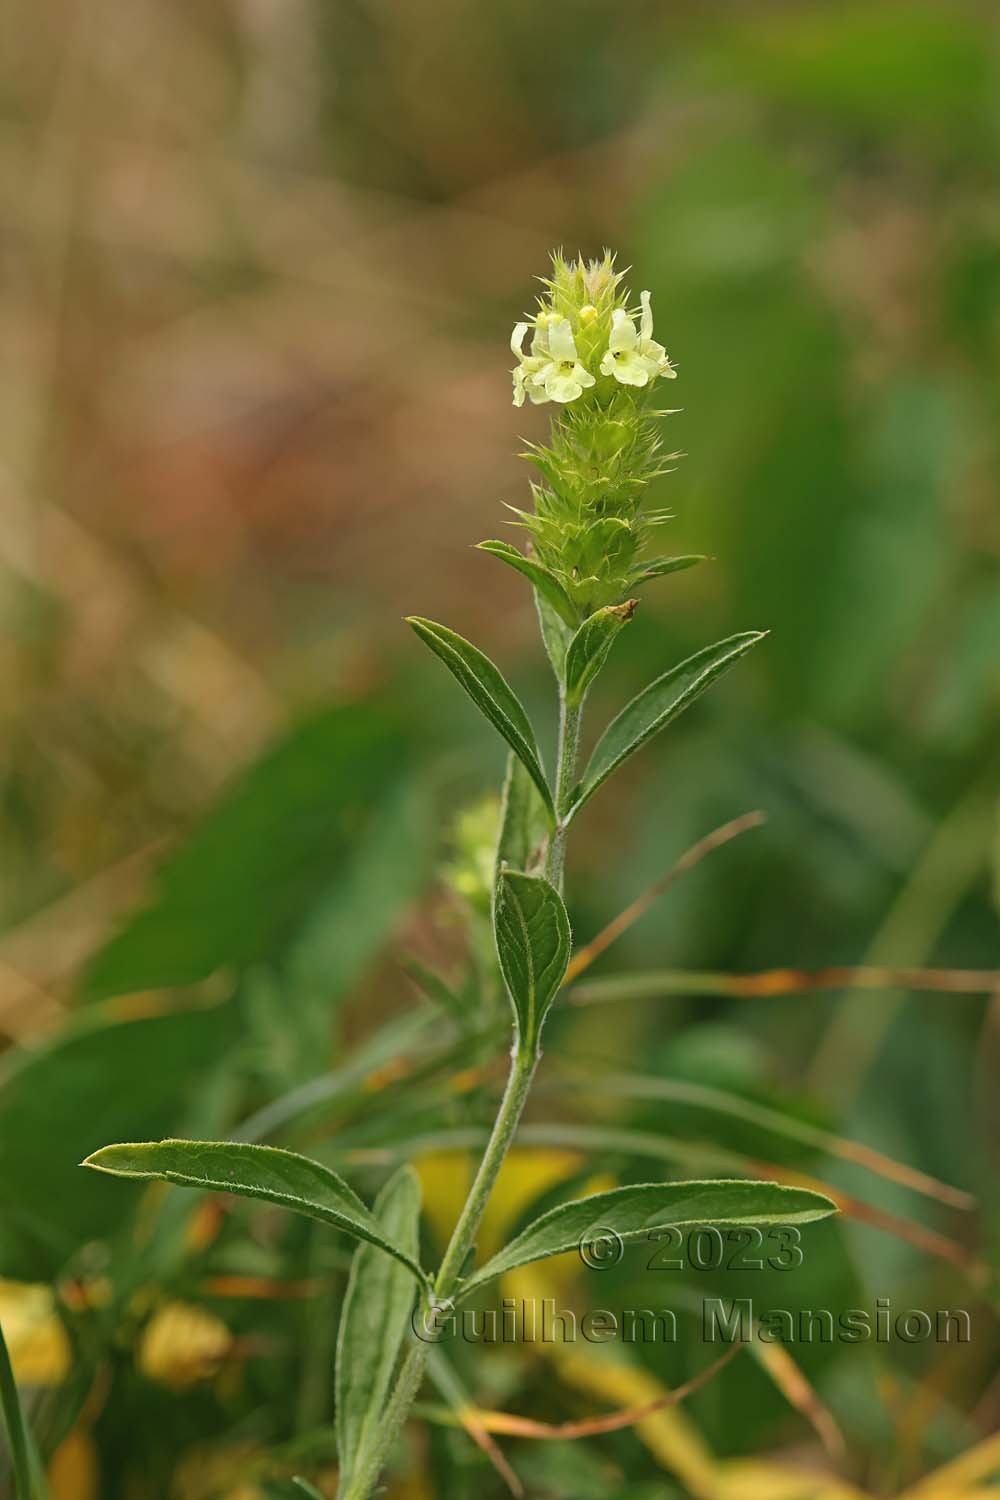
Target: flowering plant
592	356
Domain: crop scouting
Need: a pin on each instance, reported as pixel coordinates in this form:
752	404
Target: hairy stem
524	1062
569	745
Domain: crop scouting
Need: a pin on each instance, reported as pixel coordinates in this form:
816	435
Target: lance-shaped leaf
266	1172
523	824
658	705
544	580
633	1213
659	567
588	650
491	693
374	1321
533	944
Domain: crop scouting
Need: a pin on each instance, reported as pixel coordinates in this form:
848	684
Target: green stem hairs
591	355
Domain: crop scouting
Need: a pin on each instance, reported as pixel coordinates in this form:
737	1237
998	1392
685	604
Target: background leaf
288	846
102	1080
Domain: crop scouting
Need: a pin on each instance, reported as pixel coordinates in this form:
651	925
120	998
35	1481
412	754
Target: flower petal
646	321
623	334
631	369
562	385
517	338
657	357
562	345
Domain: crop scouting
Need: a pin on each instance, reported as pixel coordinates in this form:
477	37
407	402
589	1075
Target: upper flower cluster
591	352
584	330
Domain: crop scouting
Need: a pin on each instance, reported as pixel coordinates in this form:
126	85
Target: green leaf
659	567
491	692
588	650
631	1213
533	944
544	580
266	1172
284	851
523	824
374	1321
28	1481
658	705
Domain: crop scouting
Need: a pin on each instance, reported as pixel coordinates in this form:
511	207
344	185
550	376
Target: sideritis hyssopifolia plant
588	352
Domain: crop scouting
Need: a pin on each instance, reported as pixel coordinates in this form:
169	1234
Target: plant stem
569	744
524	1061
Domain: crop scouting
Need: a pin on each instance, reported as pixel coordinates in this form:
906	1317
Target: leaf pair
649	712
266	1172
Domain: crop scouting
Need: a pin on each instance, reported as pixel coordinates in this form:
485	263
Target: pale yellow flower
525	372
633	356
563	377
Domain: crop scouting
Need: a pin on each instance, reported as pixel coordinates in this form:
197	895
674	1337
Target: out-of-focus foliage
261	261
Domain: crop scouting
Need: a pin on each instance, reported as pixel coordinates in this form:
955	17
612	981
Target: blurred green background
261	261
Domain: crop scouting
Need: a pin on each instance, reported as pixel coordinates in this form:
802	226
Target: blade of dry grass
586	955
803	1132
526	1427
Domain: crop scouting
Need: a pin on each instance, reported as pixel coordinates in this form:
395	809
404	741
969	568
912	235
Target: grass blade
18	1436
